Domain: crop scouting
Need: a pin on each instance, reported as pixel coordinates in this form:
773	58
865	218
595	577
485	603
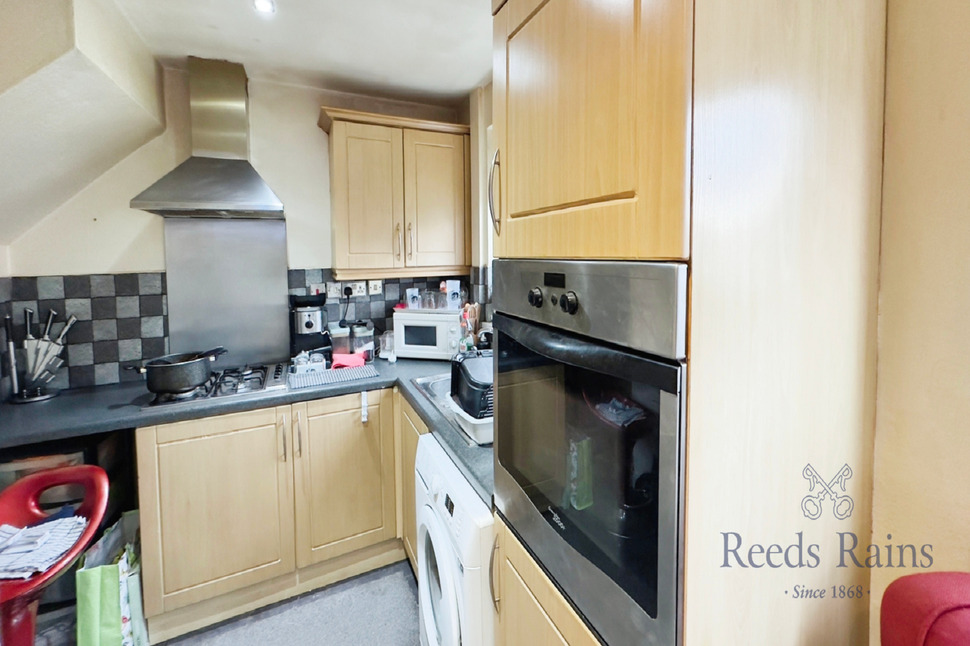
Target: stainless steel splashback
227	286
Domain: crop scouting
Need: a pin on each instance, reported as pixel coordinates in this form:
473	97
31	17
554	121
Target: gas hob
247	380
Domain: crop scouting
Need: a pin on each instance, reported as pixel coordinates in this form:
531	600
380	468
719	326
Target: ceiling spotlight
265	7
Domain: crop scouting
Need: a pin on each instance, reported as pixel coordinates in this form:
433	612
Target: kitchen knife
30	342
12	353
49	358
43	346
67	326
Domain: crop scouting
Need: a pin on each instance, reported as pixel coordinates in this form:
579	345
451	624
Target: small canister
362	340
340	338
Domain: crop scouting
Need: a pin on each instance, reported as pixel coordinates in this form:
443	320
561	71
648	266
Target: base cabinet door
345	485
216	498
412	428
530	608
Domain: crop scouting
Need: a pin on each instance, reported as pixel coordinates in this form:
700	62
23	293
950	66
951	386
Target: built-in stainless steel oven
589	410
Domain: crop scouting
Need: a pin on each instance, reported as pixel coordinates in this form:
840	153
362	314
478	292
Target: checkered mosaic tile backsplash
123	318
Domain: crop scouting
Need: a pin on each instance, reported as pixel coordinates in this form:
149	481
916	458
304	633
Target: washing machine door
437	578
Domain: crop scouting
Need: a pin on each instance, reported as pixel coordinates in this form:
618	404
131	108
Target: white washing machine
454	543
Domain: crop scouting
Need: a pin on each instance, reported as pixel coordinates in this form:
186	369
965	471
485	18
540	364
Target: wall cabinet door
367	195
530	608
412	428
345	486
435	198
591	112
216	498
400	195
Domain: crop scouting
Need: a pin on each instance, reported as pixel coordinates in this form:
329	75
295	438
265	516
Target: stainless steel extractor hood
217	181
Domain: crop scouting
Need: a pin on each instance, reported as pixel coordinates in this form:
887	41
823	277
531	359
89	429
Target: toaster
471	382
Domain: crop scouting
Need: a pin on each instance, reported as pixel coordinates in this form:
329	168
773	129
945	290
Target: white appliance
453	550
426	334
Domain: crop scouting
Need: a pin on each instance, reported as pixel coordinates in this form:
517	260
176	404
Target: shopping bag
109	609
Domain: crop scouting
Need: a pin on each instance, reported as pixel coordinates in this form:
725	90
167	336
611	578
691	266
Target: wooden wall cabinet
412	428
235	502
593	160
530	610
400	195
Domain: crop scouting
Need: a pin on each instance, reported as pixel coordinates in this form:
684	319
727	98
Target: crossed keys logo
842	504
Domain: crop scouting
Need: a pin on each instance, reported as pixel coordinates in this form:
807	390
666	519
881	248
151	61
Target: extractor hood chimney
217	181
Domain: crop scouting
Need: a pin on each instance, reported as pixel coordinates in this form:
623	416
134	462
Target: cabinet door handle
491	575
299	434
496	223
410	240
283	426
400	241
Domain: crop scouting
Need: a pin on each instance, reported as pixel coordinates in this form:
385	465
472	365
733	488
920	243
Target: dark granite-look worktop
86	411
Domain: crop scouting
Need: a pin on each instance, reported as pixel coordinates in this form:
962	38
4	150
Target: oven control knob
535	297
569	303
454	344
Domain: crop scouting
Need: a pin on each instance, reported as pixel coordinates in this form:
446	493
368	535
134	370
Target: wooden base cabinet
249	508
530	609
412	428
345	488
216	498
400	195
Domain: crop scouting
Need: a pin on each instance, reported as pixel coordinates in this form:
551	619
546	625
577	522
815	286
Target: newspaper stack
29	550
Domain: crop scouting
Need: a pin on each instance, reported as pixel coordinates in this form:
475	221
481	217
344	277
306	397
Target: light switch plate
318	288
334	290
375	287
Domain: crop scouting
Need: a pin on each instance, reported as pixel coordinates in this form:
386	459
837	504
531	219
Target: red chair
927	609
20	506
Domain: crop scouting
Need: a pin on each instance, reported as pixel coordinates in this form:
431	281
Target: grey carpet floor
378	608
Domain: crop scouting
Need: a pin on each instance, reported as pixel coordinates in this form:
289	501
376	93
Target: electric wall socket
334	290
359	288
375	287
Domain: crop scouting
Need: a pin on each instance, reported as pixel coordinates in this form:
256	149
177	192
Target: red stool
19	505
928	609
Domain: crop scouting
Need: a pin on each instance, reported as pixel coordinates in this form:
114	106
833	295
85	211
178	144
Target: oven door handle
588	355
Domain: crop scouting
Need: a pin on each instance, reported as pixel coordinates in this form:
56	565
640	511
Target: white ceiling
430	50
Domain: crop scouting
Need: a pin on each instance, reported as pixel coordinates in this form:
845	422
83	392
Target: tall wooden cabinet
591	111
400	195
762	122
529	608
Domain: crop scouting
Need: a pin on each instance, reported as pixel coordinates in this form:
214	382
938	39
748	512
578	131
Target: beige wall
922	452
33	35
787	140
96	232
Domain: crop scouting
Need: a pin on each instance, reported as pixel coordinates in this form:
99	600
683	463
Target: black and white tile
122	320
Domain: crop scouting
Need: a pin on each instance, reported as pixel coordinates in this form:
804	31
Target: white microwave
426	334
